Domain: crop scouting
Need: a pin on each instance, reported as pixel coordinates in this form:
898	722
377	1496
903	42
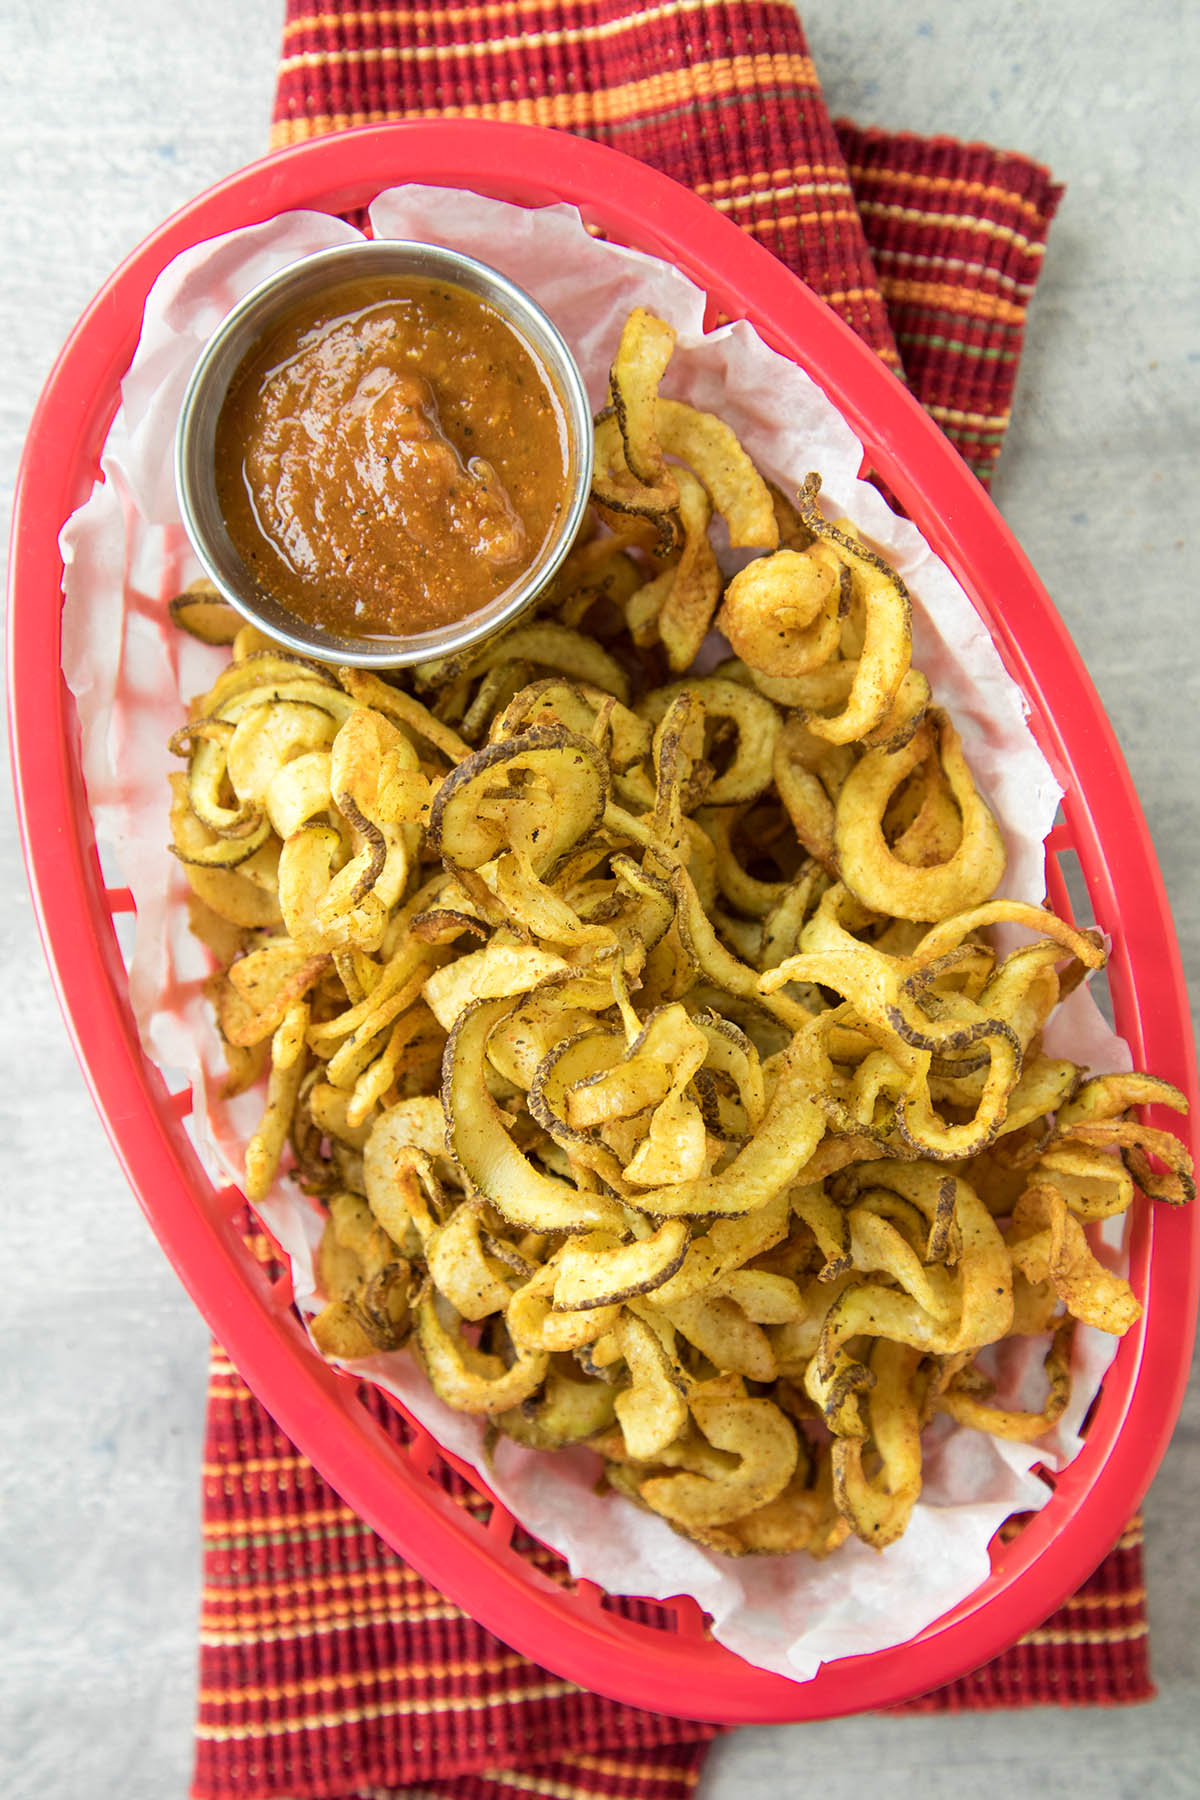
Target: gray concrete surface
109	118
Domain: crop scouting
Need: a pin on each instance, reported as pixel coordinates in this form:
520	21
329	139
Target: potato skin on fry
639	1032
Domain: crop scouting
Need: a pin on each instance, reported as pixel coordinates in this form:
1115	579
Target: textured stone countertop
113	116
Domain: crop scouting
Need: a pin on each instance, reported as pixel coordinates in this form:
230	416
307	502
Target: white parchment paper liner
125	554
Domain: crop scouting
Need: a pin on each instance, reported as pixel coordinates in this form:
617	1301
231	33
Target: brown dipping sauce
390	458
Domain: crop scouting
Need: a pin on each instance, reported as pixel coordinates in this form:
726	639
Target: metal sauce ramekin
223	355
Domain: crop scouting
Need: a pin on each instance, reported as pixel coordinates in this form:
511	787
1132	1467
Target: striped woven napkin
327	1666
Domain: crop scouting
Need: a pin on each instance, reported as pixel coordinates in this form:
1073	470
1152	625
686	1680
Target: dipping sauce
390	458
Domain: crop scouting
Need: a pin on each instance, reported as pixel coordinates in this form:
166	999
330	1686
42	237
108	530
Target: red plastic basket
671	1664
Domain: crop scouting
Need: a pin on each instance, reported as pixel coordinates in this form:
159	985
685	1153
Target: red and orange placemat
328	1667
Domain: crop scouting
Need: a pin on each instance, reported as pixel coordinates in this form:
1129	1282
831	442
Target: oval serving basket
662	1658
